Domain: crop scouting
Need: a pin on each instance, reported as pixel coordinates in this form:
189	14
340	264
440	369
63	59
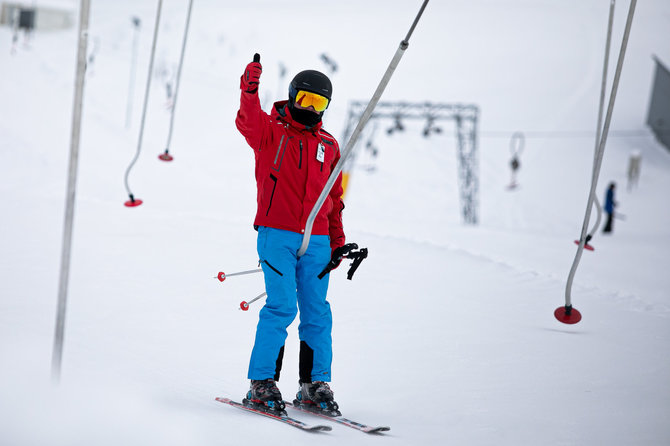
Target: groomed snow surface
446	333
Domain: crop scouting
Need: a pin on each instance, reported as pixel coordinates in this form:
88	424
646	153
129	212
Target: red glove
251	77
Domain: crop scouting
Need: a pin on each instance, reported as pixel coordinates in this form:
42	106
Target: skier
609	206
634	169
294	157
514	164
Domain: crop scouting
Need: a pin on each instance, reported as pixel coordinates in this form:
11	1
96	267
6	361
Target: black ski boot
317	397
265	395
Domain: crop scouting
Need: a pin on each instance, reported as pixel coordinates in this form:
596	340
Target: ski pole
365	117
244	306
222	276
603	88
567	314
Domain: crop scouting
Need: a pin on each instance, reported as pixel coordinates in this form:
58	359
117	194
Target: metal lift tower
465	117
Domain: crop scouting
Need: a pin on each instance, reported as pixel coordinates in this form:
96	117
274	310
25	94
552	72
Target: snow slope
446	332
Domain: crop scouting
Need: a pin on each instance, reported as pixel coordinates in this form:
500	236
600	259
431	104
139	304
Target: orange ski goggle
306	98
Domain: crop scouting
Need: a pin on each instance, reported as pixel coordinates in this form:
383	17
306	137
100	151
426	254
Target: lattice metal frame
465	117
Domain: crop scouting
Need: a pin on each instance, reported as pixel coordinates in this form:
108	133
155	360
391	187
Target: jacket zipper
300	161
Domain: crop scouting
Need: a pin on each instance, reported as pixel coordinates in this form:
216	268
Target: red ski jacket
292	167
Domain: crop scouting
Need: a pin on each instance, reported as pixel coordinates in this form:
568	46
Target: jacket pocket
272	195
281	150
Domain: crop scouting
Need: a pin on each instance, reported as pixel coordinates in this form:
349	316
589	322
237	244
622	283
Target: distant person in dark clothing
610	204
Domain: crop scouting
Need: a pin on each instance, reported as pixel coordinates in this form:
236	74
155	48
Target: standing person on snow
609	206
294	158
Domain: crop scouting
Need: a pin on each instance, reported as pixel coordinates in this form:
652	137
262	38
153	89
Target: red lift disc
586	246
165	157
567	315
133	203
244	306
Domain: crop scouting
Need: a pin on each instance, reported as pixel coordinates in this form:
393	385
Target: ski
283	418
340	419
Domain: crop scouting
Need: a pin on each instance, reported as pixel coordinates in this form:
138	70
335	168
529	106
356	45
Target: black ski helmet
312	81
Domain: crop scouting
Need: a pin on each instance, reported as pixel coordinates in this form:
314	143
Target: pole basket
567	315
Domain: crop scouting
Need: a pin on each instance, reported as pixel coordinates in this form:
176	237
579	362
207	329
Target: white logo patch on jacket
321	152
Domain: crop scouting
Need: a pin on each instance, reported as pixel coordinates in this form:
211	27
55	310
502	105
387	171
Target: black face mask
305	117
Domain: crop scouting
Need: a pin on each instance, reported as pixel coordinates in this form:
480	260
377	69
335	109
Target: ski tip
378	429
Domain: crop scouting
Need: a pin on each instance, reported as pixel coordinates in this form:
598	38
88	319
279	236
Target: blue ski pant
291	283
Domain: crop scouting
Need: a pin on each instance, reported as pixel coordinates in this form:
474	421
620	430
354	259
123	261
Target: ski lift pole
586	238
603	88
596	225
57	356
365	117
567	314
133	69
176	89
132	202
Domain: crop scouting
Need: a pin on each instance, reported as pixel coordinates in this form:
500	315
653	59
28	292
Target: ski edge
342	420
284	419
